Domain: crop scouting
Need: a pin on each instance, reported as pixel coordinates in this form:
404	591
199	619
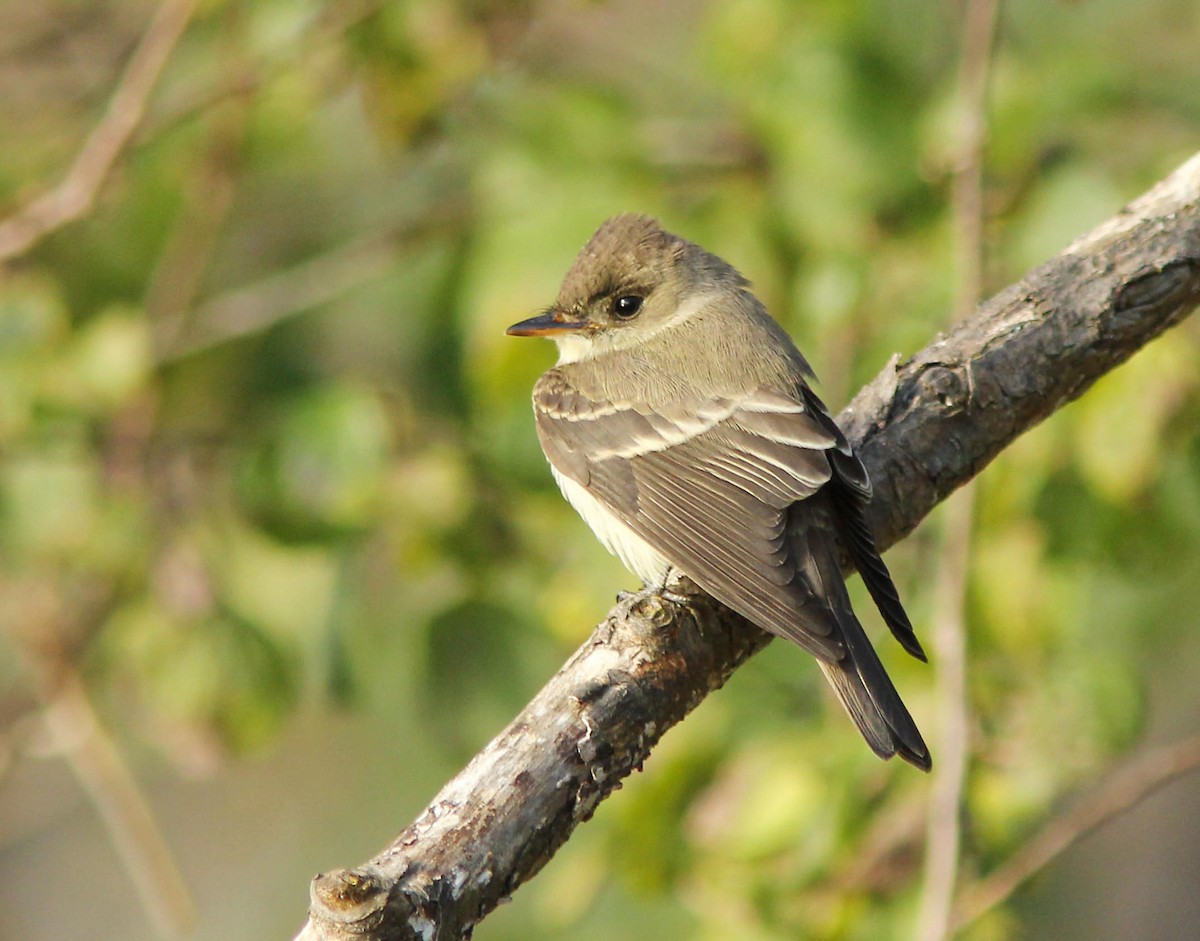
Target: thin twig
282	294
942	825
124	810
189	250
258	306
1119	793
978	40
96	762
324	29
77	192
949	644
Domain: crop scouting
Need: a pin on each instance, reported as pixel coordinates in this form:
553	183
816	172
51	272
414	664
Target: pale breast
635	553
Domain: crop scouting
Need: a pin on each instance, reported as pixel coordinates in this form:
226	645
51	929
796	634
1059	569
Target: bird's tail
866	691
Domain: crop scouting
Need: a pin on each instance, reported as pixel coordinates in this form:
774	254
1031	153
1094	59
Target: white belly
635	553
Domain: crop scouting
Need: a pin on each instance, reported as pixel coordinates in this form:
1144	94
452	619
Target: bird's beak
551	323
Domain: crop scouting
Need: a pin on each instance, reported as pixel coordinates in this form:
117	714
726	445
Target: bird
679	421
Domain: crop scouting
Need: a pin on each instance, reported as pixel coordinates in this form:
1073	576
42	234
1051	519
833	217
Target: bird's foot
677	588
675	597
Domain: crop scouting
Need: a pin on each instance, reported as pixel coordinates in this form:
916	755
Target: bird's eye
626	306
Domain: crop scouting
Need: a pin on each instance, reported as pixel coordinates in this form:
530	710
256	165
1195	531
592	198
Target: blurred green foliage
262	434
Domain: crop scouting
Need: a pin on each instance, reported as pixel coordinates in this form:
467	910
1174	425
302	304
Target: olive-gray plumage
680	424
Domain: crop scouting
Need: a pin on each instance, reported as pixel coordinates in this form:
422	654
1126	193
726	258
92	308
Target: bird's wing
850	493
747	496
710	485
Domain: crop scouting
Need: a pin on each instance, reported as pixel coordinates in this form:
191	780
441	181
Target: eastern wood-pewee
679	423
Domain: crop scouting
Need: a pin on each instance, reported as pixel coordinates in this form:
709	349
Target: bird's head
631	280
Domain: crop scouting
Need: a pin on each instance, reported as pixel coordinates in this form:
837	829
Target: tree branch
923	428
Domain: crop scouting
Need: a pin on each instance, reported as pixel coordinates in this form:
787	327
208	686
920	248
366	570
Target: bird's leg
666	588
674	587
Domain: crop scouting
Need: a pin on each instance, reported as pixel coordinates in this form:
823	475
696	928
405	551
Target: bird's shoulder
564	393
551	389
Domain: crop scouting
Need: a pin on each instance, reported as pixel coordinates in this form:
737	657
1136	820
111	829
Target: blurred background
278	548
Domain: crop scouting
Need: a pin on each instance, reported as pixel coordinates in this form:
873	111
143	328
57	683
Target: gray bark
923	428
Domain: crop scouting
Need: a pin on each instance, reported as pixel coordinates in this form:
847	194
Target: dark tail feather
875	575
868	695
850	491
857	676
